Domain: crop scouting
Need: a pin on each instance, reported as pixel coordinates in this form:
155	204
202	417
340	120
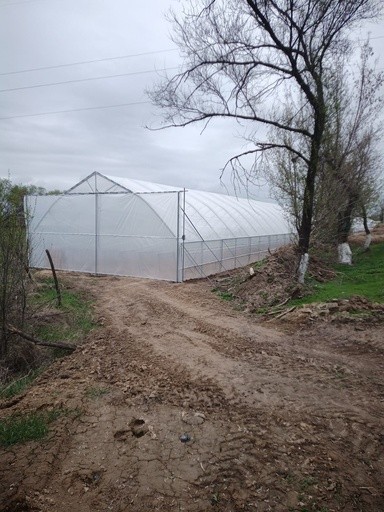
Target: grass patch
96	392
18	386
69	323
256	265
225	295
26	427
365	278
75	321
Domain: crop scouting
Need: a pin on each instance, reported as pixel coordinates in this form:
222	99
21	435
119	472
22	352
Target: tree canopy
243	58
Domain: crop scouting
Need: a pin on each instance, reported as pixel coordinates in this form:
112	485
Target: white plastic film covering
118	226
212	216
64	225
117	234
132	238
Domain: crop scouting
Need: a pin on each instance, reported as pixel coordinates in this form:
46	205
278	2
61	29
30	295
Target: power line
87	62
20	2
119	105
85	79
104	77
106	59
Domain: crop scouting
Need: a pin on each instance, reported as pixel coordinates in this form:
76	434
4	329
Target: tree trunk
368	236
343	229
345	253
3	342
305	229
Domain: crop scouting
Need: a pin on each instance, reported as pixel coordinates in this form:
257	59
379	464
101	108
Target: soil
179	402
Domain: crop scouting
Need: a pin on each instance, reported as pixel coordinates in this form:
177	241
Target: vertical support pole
96	233
201	255
183	241
221	255
178	240
249	250
235	262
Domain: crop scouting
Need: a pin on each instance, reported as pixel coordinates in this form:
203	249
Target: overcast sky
56	150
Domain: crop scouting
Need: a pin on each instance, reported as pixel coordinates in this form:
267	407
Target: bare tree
347	179
241	56
350	154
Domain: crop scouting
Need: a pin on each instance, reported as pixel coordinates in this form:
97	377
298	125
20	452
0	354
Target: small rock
184	438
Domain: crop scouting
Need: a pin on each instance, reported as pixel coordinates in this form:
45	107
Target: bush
13	263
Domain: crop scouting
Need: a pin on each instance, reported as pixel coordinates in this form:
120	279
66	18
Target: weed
76	320
225	296
215	499
96	392
258	264
17	386
307	482
26	427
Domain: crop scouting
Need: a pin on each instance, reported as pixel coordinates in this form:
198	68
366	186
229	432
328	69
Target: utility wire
87	62
20	2
90	79
106	59
85	79
119	105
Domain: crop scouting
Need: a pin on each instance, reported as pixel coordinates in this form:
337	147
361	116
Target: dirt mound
271	282
356	311
265	287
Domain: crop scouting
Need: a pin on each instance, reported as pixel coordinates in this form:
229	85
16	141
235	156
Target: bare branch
28	337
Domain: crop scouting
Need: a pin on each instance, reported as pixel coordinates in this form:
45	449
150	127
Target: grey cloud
56	151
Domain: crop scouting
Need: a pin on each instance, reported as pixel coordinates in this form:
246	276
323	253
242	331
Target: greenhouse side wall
204	258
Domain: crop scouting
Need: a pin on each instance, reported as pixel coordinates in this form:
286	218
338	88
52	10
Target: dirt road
273	421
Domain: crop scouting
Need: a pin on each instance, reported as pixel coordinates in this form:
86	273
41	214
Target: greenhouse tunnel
120	226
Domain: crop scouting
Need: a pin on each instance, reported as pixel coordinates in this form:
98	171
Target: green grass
18	386
26	427
96	392
77	315
365	278
73	323
258	264
225	295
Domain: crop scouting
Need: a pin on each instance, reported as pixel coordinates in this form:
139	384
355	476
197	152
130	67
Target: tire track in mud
186	334
228	341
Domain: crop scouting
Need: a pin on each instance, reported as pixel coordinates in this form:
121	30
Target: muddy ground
274	421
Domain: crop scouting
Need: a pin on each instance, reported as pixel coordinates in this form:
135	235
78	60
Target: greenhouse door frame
180	248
